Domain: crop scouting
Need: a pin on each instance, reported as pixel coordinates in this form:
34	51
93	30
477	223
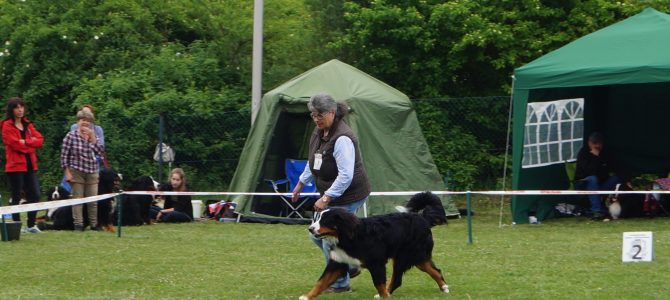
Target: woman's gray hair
85	115
321	103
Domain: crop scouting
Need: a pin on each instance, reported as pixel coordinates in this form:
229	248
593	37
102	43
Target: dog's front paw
445	289
303	297
377	296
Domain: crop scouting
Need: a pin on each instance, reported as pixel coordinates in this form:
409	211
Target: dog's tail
429	206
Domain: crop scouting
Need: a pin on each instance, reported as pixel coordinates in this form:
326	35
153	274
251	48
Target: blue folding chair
293	168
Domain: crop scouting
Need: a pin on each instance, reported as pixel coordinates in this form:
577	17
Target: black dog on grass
404	238
61	217
110	182
135	208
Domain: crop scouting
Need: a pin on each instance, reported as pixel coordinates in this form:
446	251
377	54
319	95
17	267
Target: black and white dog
405	238
62	217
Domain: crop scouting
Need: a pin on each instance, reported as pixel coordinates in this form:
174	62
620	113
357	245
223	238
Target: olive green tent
623	74
394	151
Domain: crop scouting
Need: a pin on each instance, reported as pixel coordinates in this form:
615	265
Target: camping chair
570	169
293	168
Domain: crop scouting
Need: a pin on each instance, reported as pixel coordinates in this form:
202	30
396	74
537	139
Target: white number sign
637	246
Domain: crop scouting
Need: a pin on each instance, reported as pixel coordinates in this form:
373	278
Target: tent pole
257	60
509	126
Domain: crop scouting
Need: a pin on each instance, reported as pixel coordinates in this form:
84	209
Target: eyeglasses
319	116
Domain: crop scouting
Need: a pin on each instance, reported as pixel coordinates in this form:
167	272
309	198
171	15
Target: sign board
637	246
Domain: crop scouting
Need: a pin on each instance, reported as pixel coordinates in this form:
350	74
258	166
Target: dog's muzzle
314	233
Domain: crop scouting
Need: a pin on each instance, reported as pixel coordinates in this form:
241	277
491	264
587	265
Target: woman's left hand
322	203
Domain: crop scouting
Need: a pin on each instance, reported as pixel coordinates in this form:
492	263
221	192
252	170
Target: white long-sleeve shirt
345	157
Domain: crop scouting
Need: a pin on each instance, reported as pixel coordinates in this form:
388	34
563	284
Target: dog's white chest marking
339	255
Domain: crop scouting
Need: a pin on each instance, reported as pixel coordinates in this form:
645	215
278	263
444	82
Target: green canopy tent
393	148
623	74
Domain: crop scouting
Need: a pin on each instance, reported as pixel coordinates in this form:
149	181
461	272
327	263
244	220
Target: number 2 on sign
636	255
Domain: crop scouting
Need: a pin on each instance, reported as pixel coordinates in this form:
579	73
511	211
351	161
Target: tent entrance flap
290	139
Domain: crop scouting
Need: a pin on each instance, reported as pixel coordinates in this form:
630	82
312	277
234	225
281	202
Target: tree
431	49
136	59
463	48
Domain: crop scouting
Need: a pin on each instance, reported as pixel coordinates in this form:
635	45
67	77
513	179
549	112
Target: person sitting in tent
335	164
596	171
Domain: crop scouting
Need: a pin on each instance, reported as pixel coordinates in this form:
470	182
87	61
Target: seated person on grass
176	209
594	169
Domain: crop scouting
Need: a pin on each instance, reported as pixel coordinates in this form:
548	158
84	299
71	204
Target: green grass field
560	259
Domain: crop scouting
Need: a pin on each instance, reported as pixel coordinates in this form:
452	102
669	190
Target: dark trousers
591	183
171	217
27	183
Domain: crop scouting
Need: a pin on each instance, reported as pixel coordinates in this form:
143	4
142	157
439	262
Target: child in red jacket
21	141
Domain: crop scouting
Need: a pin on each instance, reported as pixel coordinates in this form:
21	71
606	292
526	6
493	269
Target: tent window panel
543	129
554	132
566	149
543	133
531	136
566	131
544	154
570	149
553	148
578	129
531	116
527	158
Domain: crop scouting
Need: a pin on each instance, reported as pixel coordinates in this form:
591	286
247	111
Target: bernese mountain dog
405	238
61	217
135	208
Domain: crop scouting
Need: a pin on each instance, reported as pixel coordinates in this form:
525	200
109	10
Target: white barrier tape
60	203
12	209
559	192
157	193
407	193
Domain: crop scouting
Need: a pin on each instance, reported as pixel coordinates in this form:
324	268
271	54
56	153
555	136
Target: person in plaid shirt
78	161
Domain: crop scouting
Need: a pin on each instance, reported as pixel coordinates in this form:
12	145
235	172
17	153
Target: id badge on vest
318	159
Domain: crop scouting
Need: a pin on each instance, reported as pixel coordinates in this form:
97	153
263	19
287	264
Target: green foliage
133	60
432	49
463	48
467	138
208	146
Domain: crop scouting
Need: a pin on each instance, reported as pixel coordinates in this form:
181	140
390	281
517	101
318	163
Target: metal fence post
119	210
4	228
469	208
161	128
